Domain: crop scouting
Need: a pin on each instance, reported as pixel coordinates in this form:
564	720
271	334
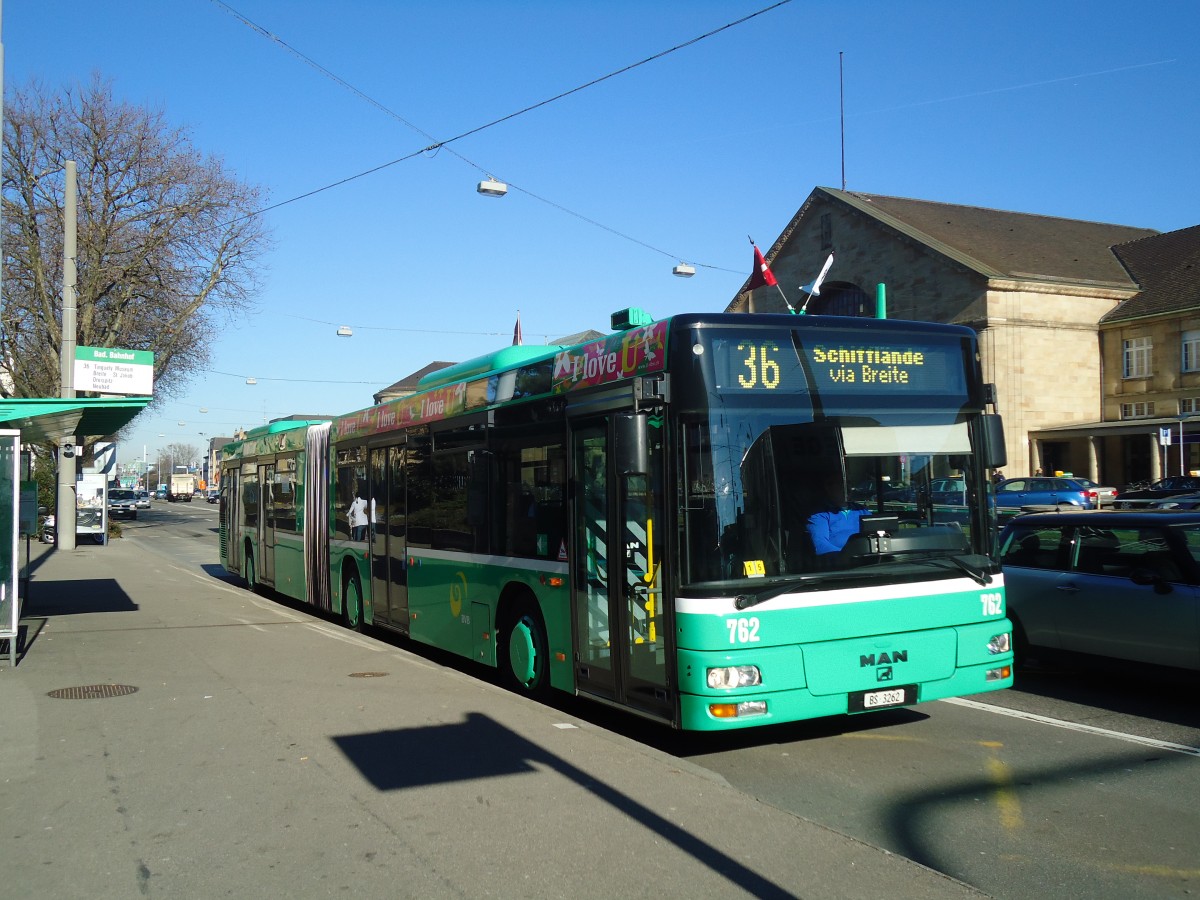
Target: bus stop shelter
40	421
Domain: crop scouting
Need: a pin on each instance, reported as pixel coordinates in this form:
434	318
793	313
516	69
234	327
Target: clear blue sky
1077	109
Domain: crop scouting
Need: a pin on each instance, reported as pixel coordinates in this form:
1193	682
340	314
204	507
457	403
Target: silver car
1105	496
1117	584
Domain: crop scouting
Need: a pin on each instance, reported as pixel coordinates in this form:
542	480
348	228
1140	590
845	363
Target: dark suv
1117	584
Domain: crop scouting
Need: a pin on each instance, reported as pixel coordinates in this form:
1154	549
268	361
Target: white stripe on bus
832	596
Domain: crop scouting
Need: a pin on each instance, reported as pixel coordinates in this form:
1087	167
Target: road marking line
343	635
1074	726
1006	796
267	606
1161	871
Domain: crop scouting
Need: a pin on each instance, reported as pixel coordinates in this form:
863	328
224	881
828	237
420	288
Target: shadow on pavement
441	754
74	597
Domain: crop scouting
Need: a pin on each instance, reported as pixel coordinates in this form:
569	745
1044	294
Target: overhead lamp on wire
684	270
251	380
345	331
492	188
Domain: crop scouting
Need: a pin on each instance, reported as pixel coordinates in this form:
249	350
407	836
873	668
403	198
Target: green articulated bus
715	521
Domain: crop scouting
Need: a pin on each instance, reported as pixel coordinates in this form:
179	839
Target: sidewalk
217	743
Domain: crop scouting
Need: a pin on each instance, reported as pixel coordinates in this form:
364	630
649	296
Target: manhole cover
93	691
368	674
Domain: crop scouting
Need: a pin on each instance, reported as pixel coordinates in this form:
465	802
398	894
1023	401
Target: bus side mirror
633	444
995	450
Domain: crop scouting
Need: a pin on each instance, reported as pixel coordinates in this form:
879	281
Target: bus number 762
743	631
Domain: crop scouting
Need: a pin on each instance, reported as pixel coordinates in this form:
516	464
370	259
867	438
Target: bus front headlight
1000	643
728	677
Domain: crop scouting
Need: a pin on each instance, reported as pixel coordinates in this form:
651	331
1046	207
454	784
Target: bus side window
351	474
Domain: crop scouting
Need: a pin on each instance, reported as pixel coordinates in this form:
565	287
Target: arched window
840	298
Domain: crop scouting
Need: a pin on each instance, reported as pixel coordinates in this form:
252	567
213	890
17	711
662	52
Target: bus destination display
840	364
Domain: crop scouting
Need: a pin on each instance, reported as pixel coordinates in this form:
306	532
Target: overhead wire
412	330
437	145
296	380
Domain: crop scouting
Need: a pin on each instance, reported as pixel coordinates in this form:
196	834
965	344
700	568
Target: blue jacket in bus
831	528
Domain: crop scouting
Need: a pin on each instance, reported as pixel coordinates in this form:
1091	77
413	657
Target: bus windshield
767	498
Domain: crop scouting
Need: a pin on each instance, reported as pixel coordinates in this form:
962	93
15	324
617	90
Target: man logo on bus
882	659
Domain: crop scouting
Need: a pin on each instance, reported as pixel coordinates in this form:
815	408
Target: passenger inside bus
358	516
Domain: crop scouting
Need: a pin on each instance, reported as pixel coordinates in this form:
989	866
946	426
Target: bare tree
168	243
176	454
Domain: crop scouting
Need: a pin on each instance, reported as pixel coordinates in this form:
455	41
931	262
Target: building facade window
1190	352
1137	357
1137	410
826	231
1189	406
840	300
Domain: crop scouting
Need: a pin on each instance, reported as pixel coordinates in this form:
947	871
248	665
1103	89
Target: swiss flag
762	274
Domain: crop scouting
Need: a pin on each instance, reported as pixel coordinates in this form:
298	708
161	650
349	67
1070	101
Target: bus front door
621	629
266	525
388	537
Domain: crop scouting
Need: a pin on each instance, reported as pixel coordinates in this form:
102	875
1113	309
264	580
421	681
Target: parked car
212	496
143	499
122	503
1142	498
1040	491
1177	501
948	491
48	531
1124	585
1105	496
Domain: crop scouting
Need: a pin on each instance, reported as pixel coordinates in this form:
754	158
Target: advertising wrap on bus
717	521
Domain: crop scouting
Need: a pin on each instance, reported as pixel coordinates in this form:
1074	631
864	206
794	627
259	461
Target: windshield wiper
981	575
745	601
805	582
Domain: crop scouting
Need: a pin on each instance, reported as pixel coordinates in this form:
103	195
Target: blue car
1038	491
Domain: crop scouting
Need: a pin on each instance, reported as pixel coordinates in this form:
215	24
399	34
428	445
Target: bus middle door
266	524
388	536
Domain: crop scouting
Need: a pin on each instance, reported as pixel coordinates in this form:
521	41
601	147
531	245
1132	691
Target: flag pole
787	302
814	287
791	309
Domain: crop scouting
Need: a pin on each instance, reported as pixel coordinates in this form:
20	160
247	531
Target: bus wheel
248	569
524	654
352	608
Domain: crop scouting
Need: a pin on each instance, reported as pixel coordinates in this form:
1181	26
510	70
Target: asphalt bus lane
1017	806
